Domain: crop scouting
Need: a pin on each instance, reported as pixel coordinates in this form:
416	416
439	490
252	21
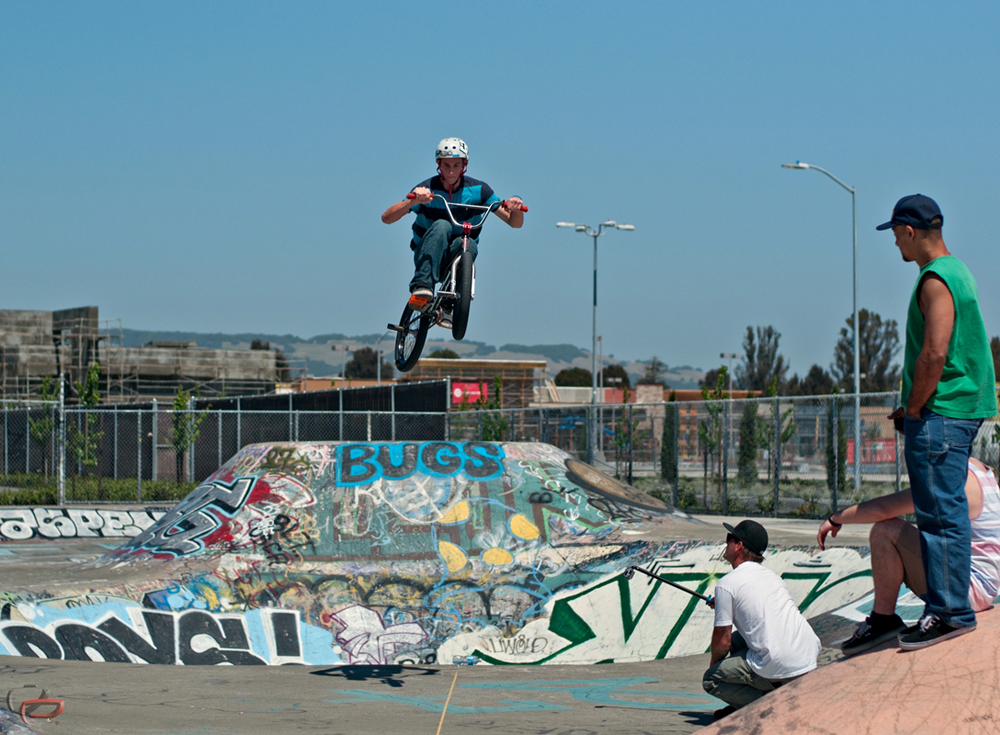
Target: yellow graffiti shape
497	557
458	513
453	556
524	529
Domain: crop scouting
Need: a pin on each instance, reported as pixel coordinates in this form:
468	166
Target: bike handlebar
486	208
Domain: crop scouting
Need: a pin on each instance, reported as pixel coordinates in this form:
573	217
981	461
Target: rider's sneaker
871	633
444	320
420	298
930	630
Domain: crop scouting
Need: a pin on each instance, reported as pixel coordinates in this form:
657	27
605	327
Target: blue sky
221	167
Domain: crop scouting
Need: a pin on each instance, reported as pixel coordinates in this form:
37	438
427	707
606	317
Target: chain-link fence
768	456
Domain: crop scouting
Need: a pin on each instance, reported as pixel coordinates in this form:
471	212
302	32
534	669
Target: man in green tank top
948	389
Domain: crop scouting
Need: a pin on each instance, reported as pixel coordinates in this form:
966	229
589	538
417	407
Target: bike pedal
448	294
395	328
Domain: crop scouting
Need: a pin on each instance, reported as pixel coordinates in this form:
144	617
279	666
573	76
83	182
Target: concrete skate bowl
402	553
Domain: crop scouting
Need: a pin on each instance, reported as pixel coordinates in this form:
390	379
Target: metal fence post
27	440
6	443
835	428
630	437
512	424
239	426
189	418
340	414
154	468
725	457
677	453
220	416
61	451
115	473
138	424
392	408
776	451
447	408
290	436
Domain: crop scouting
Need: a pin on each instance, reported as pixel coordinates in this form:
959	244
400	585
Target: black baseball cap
751	533
917	211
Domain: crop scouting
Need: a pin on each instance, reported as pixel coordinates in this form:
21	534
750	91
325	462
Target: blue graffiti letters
360	464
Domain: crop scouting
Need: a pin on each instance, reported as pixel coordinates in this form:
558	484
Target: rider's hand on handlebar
420	195
514	204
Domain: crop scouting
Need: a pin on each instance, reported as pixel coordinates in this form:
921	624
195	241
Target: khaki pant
733	681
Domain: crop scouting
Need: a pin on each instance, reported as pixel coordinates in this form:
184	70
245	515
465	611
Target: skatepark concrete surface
663	696
950	688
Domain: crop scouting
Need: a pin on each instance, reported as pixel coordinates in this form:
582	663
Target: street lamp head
627	228
565	224
581	228
609	223
797	164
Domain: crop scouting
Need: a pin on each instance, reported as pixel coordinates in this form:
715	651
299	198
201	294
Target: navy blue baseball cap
917	211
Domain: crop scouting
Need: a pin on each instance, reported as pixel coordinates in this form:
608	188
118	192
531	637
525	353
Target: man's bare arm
722	640
512	216
400	209
938	308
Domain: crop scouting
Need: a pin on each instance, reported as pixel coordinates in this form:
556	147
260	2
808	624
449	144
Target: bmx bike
455	292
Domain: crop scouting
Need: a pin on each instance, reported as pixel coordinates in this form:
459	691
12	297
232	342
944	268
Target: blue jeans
438	246
937	452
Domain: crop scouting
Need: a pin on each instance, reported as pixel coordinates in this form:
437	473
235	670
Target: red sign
468	392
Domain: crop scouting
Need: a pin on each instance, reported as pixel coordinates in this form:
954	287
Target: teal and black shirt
967	389
469	191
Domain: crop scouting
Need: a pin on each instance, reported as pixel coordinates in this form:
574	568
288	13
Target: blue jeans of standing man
438	245
937	453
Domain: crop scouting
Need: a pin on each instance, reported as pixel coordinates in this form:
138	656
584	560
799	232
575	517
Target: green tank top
967	389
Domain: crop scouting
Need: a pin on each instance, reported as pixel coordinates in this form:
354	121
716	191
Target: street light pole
857	351
594	232
729	374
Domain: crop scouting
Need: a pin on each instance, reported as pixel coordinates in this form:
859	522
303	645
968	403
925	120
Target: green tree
82	437
878	345
710	430
786	425
762	365
746	459
611	373
840	460
41	429
186	429
495	426
444	353
363	365
574	377
653	374
668	461
818	382
626	434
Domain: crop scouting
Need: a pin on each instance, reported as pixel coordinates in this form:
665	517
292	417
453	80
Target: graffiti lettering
193	637
21	524
180	531
361	464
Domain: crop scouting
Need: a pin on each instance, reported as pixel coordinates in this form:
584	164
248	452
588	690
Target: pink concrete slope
953	687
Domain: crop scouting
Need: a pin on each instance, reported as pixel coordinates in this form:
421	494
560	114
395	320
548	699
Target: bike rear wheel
410	340
463	287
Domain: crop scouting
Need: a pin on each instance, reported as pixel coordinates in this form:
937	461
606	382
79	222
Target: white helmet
452	148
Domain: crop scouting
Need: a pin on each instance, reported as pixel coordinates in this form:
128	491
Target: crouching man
773	643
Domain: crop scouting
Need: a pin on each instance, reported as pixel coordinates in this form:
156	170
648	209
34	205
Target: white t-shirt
756	601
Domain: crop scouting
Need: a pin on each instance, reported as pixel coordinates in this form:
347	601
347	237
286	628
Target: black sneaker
867	636
930	630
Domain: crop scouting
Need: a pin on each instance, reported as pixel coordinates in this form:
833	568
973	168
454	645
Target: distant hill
317	357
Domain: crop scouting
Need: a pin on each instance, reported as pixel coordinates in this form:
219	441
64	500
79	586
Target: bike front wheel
463	287
410	339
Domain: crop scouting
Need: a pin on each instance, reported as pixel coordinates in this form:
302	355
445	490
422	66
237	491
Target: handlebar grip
411	195
522	207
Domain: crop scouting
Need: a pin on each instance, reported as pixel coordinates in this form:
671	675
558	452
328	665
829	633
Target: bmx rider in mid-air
434	239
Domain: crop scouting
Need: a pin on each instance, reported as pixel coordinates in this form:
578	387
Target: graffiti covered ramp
400	553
